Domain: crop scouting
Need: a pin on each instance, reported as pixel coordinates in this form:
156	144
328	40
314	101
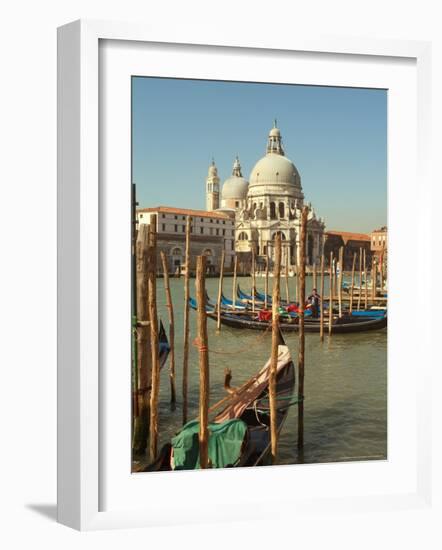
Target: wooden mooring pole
203	361
235	269
315	282
352	282
301	334
274	354
220	291
373	279
330	297
340	277
253	278
153	318
287	293
321	292
186	320
360	279
365	279
143	345
266	284
171	328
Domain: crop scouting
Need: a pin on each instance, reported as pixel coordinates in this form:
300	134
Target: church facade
270	203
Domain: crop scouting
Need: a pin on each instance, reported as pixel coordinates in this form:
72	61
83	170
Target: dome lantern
274	143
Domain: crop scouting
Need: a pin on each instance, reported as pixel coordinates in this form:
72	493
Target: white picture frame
80	443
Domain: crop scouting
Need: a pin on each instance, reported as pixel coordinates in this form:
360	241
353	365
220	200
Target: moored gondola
345	324
240	425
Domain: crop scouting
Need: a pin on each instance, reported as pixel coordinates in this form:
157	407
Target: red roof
186	212
348	236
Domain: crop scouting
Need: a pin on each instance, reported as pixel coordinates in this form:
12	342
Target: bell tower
212	188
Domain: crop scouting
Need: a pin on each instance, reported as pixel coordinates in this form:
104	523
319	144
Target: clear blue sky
336	137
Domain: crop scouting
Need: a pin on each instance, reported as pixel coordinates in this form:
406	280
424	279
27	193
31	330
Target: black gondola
163	345
345	324
249	403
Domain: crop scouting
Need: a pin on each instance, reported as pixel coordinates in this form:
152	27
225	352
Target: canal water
345	404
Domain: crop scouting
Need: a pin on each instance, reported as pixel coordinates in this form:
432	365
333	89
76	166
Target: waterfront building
352	243
379	241
210	233
270	203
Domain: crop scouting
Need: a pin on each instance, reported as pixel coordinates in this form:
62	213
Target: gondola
345	324
163	345
247	410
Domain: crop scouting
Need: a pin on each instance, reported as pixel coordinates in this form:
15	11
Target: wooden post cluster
274	354
171	328
186	320
203	361
301	346
153	318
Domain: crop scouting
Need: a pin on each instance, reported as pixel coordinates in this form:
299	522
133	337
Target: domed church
270	203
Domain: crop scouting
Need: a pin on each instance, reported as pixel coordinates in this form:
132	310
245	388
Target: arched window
176	252
272	211
207	252
243	236
278	233
281	210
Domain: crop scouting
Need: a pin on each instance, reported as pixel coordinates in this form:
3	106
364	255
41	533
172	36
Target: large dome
236	186
275	173
274	169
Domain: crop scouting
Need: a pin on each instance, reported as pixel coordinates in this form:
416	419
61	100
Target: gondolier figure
314	300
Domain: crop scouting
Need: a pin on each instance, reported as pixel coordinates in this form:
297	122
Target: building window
272	211
176	228
236	204
224	232
217	221
141	215
224	223
202	219
163	227
211	230
184	217
211	221
281	209
201	230
217	231
163	215
183	227
232	245
243	236
176	252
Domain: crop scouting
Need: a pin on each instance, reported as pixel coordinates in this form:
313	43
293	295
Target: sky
336	137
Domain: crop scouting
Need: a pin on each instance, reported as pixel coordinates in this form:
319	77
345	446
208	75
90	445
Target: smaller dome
274	132
236	186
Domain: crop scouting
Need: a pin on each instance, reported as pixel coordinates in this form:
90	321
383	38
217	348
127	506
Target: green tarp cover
225	440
